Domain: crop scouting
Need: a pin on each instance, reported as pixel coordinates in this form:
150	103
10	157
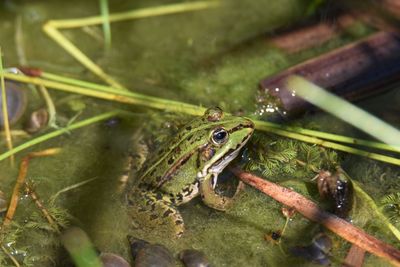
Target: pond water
211	57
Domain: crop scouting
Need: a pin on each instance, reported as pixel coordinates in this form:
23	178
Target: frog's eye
219	136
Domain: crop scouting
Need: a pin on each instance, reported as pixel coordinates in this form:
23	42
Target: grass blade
347	111
5	110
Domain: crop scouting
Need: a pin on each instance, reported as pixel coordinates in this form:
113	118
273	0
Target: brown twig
31	192
355	257
311	211
23	169
12	258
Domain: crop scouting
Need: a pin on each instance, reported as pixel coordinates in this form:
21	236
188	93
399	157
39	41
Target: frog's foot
155	210
212	199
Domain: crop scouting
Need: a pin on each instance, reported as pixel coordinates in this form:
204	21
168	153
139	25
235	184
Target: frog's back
181	149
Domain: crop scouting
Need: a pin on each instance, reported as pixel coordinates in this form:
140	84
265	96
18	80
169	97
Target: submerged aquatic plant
30	240
274	156
390	204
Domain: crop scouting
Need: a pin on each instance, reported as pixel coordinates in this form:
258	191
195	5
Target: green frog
187	166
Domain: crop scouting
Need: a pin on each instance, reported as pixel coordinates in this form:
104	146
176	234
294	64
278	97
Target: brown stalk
32	194
23	169
355	257
311	211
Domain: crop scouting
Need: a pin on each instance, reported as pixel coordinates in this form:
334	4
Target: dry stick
311	211
23	169
355	257
12	258
41	207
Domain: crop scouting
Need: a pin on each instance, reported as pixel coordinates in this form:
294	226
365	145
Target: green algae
179	61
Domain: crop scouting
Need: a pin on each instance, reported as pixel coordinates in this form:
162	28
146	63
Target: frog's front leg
212	199
155	210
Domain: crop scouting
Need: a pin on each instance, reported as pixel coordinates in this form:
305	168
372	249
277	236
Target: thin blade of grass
79	56
19	42
58	132
6	122
335	137
113	94
51	108
106	23
345	111
136	14
313	140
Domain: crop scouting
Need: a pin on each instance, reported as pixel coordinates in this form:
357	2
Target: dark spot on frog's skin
153	217
188	128
189	137
158	178
184	160
167	213
178	222
177	150
189	192
180	197
170	161
159	196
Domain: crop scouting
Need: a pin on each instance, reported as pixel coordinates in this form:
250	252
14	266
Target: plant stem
58	132
108	93
335	137
135	14
347	111
12	258
6	122
78	55
68	188
31	192
375	210
23	169
50	106
261	125
106	23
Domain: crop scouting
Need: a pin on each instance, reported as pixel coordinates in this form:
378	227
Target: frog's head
227	134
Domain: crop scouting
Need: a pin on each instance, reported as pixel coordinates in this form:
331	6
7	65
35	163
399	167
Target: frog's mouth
221	163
